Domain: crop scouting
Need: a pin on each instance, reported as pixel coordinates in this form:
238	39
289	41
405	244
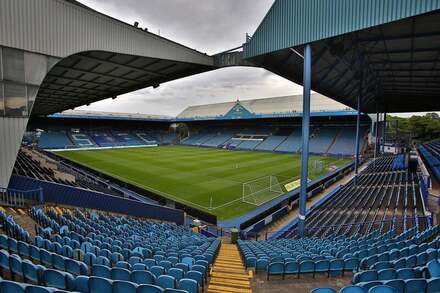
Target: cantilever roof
391	43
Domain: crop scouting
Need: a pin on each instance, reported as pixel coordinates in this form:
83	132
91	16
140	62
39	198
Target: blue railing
19	198
332	229
60	194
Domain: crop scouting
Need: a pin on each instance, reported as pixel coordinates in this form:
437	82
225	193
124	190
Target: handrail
265	235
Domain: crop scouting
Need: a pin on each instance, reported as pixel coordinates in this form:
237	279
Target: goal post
261	190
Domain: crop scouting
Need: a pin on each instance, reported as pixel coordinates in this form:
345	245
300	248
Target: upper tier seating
248	144
218	139
380	199
27	166
198	139
82	140
127	139
92	252
147	138
431	155
322	139
271	143
345	141
54	140
105	139
292	143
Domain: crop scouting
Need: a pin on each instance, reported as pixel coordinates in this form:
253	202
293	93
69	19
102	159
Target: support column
376	134
384	131
307	80
358	127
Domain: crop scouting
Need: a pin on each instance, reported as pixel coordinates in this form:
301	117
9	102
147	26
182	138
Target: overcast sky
210	26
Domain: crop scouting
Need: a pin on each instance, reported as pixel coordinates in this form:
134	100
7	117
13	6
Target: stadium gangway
310	232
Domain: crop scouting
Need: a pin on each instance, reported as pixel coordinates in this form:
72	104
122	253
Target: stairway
21	218
228	274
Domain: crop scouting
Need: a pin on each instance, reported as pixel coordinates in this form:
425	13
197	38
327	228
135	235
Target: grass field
192	175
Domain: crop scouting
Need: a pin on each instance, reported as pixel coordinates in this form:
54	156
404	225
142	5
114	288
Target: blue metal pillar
376	147
384	131
358	127
307	81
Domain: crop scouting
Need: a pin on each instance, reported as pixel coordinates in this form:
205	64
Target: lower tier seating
93	252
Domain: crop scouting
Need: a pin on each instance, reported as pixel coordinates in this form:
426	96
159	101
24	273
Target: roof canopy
266	106
392	46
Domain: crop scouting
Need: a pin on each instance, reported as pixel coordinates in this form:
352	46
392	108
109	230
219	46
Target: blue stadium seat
11	287
101	271
434	268
120	274
99	285
415	285
15	266
189	285
32	272
124	287
433	285
57	279
142	277
397	284
176	273
147	288
323	290
352	289
382	289
82	284
291	268
166	281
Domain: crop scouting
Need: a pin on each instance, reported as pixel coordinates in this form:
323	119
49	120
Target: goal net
317	167
261	190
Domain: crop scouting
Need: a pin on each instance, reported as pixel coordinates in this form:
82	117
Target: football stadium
331	190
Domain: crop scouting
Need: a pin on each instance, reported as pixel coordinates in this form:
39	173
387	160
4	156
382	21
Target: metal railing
360	227
19	198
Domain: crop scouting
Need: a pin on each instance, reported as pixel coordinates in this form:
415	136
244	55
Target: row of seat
391	286
61	263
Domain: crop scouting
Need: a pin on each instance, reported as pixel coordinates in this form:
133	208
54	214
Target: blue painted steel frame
358	128
307	80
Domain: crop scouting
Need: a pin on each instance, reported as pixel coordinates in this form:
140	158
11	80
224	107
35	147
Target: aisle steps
228	274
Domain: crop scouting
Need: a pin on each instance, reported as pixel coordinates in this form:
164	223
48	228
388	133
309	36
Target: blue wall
78	197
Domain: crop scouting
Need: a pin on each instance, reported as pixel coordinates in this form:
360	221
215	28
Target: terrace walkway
228	274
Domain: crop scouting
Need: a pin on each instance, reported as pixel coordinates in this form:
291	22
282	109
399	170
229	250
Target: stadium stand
127	139
375	227
89	251
100	138
321	139
82	140
33	164
270	143
292	143
344	142
54	140
379	198
430	152
218	139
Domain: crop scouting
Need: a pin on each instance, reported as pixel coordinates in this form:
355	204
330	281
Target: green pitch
193	175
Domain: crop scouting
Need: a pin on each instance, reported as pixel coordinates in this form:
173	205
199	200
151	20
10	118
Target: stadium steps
22	218
228	274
